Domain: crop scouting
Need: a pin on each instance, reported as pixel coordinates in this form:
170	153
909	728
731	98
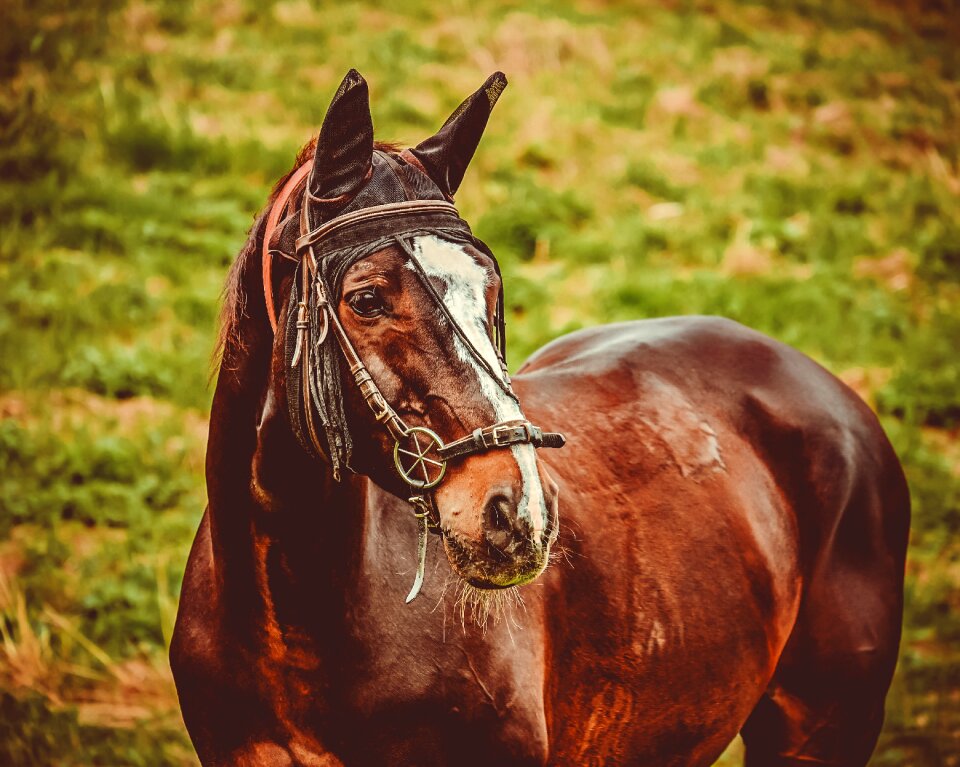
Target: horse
716	549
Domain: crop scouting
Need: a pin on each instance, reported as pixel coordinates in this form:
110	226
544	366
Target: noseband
420	456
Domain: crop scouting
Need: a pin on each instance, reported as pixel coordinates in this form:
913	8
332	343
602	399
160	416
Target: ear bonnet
348	174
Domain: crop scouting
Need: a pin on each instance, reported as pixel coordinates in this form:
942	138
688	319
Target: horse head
395	320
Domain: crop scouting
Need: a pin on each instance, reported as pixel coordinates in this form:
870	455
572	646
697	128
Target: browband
351	229
378	221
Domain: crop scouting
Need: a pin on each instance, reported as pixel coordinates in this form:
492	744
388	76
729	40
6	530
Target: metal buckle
510	437
381	410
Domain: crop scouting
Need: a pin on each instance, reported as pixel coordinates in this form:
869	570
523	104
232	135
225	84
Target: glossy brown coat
733	525
732	532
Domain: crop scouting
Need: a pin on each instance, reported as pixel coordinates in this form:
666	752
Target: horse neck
279	523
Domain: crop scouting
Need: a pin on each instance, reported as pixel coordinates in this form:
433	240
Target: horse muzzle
504	546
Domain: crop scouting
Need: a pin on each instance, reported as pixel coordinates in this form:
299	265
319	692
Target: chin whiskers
486	607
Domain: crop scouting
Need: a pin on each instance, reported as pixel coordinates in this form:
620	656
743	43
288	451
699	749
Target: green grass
792	164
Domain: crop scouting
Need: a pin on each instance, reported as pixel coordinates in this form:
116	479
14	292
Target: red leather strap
273	219
296	178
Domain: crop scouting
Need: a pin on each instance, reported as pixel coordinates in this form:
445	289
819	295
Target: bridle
420	456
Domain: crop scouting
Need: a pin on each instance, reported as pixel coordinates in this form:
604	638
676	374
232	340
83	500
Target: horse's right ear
345	145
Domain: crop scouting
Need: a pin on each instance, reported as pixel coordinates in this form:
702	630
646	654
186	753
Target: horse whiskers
557	553
486	606
443	593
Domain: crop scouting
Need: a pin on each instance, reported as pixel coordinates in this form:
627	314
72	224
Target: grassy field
794	165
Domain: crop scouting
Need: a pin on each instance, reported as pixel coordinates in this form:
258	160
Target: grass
793	164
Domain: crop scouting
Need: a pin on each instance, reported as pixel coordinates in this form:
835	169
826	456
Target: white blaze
465	298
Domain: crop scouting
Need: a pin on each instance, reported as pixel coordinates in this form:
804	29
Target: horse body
696	550
738	525
732	520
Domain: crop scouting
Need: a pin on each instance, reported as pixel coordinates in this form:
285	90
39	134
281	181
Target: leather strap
392	218
501	435
391	211
293	183
290	189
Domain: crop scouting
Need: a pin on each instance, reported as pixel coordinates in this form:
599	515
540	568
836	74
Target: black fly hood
337	220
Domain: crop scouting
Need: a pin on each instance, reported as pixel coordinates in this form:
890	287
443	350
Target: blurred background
791	164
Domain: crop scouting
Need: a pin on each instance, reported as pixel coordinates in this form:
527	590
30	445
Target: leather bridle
420	455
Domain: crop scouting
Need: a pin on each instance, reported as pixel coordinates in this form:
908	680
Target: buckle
512	434
381	410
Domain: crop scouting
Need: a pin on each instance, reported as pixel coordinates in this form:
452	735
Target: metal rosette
417	458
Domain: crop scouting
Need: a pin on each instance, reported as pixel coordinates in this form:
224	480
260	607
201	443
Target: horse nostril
497	512
502	529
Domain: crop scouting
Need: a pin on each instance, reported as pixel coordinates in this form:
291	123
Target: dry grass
48	655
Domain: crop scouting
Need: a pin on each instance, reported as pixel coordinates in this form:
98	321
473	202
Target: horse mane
234	297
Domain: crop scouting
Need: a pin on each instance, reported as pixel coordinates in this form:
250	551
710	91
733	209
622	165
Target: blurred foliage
792	164
33	733
927	386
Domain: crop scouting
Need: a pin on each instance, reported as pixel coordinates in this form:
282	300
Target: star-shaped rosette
417	458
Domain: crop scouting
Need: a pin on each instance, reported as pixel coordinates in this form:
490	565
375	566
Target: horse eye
367	303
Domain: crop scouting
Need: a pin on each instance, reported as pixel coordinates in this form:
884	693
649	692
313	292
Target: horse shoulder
667	514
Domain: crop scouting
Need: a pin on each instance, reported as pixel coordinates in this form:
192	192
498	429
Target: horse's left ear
446	155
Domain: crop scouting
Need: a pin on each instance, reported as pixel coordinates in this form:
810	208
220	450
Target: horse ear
446	155
345	146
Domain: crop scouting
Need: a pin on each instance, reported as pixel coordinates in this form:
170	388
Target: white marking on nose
465	298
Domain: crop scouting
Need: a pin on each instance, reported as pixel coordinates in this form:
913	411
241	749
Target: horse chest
430	654
426	707
389	683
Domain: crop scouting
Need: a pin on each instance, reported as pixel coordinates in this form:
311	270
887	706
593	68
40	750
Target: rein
419	455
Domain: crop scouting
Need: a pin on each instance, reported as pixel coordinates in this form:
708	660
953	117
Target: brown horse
731	518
